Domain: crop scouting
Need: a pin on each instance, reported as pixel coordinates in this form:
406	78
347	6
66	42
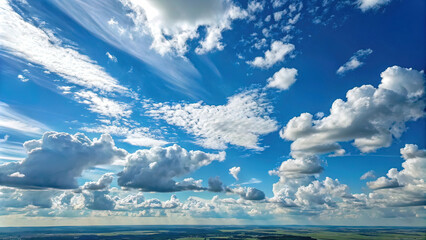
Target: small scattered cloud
111	57
234	171
355	61
282	79
274	55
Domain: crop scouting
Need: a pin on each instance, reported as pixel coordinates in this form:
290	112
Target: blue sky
138	110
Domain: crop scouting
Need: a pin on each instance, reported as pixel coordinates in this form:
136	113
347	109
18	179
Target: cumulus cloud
11	120
103	182
216	185
282	79
366	5
172	24
249	193
355	61
383	182
405	187
370	116
57	159
276	54
155	169
369	174
240	122
234	171
98	200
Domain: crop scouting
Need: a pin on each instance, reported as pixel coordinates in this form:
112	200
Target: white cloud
370	116
383	182
137	136
355	61
282	79
369	174
276	54
405	187
37	46
172	24
111	57
102	105
155	169
103	182
278	3
57	159
22	78
366	5
11	120
278	15
234	171
240	122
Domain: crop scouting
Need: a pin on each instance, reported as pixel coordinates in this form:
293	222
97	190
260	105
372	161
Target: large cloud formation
57	159
370	116
172	24
155	169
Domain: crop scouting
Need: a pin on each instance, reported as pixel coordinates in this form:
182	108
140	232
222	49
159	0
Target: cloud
405	187
11	120
216	185
241	121
276	54
137	136
324	193
278	15
383	182
57	159
155	169
355	61
172	25
17	198
249	193
234	171
98	200
282	79
103	182
26	41
300	165
370	116
369	174
111	57
366	5
102	105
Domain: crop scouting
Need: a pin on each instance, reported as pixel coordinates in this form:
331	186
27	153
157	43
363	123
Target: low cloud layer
155	169
57	159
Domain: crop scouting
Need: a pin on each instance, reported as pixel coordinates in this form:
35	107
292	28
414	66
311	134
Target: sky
281	112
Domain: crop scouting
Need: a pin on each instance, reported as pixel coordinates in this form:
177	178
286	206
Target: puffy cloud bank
57	159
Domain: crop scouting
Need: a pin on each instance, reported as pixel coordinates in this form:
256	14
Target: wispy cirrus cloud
11	120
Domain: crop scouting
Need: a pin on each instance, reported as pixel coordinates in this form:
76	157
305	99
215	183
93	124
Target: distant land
190	232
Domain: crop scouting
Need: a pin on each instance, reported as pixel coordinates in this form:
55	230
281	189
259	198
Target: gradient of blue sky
128	83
